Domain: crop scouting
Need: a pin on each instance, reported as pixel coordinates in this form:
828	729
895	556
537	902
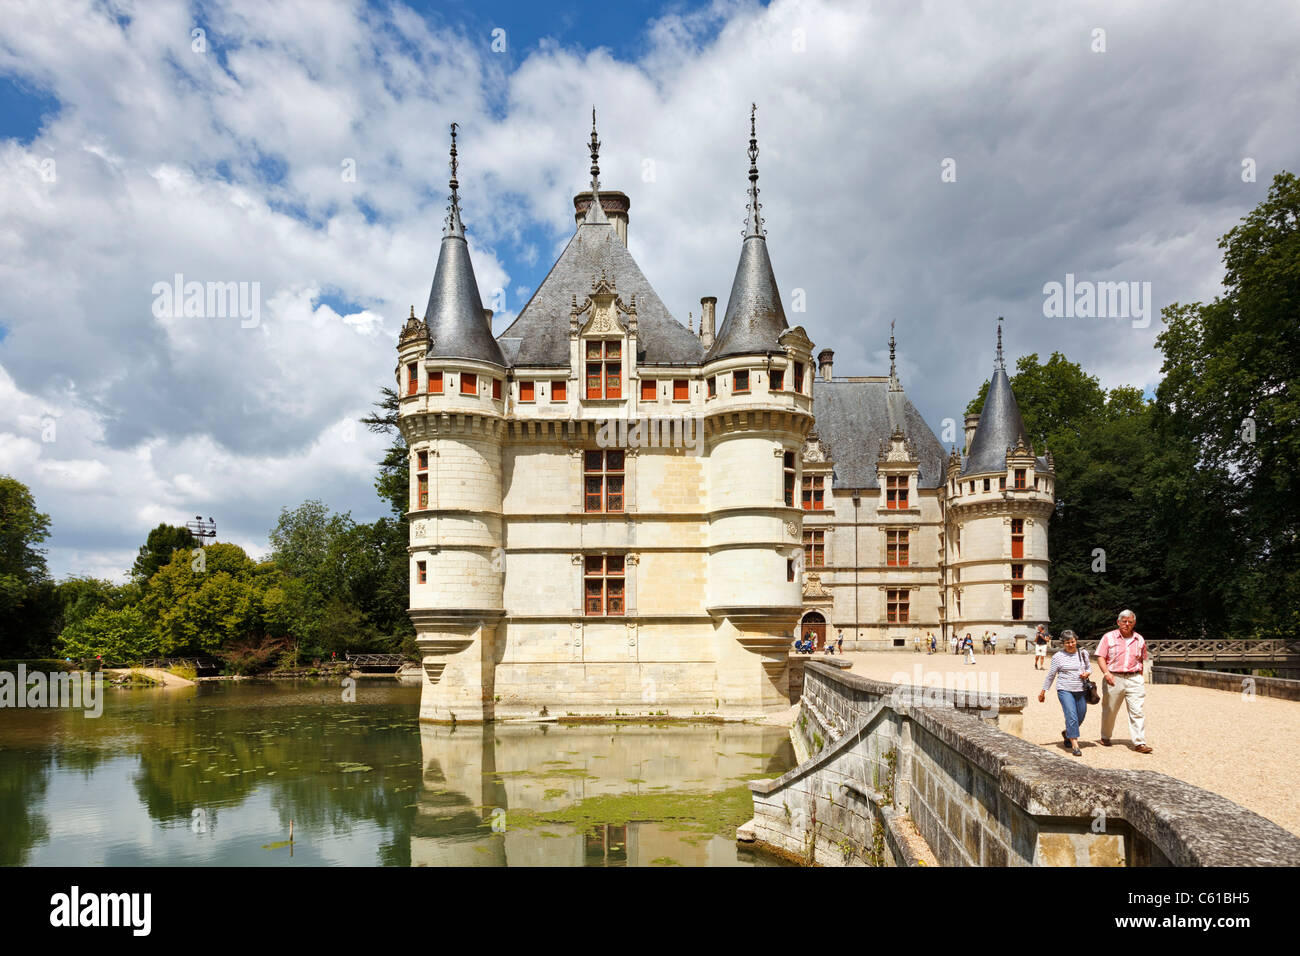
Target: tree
1232	390
157	550
1055	399
22	528
393	483
120	636
195	607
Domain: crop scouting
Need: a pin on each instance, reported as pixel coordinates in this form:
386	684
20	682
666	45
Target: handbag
1089	687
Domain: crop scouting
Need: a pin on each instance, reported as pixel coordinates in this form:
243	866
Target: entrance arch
814	621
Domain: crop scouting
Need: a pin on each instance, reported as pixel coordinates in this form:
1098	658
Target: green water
213	775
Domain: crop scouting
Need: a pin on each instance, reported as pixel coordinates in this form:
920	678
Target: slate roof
454	314
855	417
1000	427
754	317
540	335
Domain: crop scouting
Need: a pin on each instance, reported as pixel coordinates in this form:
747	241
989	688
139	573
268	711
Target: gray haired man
1121	655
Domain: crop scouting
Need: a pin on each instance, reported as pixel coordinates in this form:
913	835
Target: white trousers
1130	692
970	655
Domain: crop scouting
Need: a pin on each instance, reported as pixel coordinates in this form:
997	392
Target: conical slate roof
755	317
454	315
1000	427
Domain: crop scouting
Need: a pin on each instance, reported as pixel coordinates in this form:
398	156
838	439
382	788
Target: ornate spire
892	371
755	318
595	213
998	363
454	227
753	222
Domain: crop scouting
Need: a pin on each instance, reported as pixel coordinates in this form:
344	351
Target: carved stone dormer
899	449
815	451
606	312
813	587
414	330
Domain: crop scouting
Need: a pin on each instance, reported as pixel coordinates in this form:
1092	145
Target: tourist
956	647
839	641
985	642
1121	656
1071	664
1040	648
933	644
968	645
993	644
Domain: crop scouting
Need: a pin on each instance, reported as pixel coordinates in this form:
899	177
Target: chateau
612	512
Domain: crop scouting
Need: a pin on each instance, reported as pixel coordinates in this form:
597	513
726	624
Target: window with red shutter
435	383
814	548
649	390
681	390
814	498
787	468
422	572
422	492
1017	537
603	585
1020	479
896	491
896	549
559	390
527	391
468	383
603	482
412	378
496	388
604	370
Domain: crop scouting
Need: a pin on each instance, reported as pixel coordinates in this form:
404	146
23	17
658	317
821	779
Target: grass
186	671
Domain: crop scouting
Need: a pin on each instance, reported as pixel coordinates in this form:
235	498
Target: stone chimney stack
487	317
709	303
615	205
972	422
824	359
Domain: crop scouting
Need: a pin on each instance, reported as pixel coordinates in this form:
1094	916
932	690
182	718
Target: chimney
614	203
487	317
824	359
972	422
708	304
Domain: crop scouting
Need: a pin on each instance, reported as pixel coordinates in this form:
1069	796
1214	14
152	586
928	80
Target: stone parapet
979	796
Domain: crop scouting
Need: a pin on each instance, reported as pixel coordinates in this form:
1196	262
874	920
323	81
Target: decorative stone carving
791	528
814	450
813	587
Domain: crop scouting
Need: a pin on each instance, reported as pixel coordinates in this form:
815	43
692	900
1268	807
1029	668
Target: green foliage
120	636
1232	390
157	550
393	483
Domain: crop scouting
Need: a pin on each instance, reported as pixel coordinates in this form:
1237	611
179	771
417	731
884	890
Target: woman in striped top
1071	664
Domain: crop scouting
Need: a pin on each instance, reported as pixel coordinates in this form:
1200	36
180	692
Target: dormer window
468	383
1020	479
896	492
740	381
778	380
798	376
605	369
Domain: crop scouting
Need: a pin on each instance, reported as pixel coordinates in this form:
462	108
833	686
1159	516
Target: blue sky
131	155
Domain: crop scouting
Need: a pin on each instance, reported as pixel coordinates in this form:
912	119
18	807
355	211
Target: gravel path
1237	747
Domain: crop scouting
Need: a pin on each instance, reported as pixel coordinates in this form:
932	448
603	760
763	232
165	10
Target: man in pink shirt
1121	655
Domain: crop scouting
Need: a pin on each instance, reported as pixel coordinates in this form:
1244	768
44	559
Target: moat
213	775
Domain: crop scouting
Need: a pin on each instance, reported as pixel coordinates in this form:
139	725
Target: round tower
998	503
451	412
759	377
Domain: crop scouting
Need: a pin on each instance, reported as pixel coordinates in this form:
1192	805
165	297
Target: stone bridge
899	775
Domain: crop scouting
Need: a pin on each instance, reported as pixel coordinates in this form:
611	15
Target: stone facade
608	509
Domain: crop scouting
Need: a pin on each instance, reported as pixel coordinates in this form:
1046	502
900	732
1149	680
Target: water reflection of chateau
476	776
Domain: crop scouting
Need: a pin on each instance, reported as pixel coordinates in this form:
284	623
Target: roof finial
892	372
999	363
753	223
595	155
454	226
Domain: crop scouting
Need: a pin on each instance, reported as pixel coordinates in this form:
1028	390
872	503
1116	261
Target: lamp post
202	529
